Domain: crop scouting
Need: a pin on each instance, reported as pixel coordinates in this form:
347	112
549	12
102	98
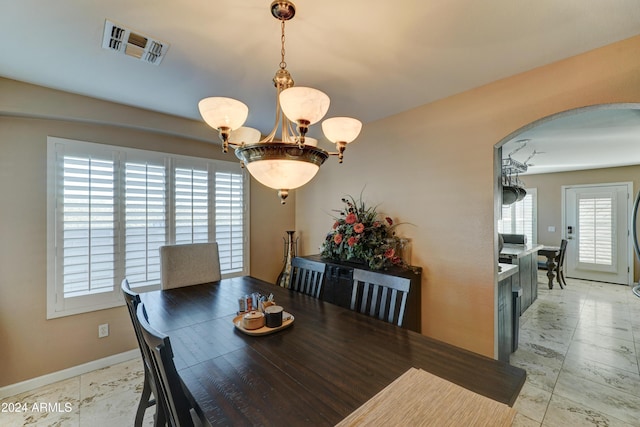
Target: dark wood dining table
328	363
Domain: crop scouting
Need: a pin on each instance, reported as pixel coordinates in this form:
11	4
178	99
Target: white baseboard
65	374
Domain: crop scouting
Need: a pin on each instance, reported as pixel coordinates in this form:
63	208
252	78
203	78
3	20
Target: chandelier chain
283	64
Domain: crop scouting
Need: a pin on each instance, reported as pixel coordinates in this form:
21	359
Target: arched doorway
596	138
588	146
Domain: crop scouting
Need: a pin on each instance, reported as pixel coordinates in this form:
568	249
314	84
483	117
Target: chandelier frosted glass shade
301	104
310	141
341	129
283	174
245	135
220	112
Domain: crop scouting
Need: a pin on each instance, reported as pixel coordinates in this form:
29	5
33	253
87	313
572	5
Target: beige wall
30	345
433	167
549	189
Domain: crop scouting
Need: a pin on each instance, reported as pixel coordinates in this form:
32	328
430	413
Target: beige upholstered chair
191	264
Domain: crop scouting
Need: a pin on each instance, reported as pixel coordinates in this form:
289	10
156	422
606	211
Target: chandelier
294	159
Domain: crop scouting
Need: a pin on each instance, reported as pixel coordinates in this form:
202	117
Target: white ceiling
589	139
373	58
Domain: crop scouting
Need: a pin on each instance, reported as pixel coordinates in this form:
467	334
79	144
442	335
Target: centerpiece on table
360	235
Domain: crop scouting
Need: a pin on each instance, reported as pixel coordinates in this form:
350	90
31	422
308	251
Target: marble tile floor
106	397
580	346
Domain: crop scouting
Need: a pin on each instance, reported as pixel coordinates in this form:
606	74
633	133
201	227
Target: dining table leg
551	268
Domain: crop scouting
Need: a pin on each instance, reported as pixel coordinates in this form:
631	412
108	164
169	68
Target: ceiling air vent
123	40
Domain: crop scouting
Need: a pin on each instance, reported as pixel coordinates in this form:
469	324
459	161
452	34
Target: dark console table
338	284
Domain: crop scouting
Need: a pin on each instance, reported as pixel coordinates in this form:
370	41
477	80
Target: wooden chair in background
307	276
380	295
560	264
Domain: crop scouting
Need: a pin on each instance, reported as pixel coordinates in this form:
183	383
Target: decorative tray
287	320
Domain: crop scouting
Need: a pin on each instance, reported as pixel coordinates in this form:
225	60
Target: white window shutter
145	221
87	224
111	208
229	206
595	242
191	205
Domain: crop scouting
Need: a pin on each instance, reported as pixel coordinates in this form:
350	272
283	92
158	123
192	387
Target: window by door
521	217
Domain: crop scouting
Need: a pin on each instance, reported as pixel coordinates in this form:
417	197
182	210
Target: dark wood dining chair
562	255
149	386
307	276
178	405
380	295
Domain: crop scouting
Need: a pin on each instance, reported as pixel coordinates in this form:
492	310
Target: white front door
596	226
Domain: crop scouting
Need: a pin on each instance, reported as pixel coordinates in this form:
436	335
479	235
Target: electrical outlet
103	330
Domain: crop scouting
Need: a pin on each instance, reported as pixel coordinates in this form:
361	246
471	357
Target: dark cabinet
524	265
338	284
509	302
505	335
527	277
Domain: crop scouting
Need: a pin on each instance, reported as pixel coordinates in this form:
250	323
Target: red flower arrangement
358	234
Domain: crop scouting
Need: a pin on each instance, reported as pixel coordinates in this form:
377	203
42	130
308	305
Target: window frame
533	193
57	304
